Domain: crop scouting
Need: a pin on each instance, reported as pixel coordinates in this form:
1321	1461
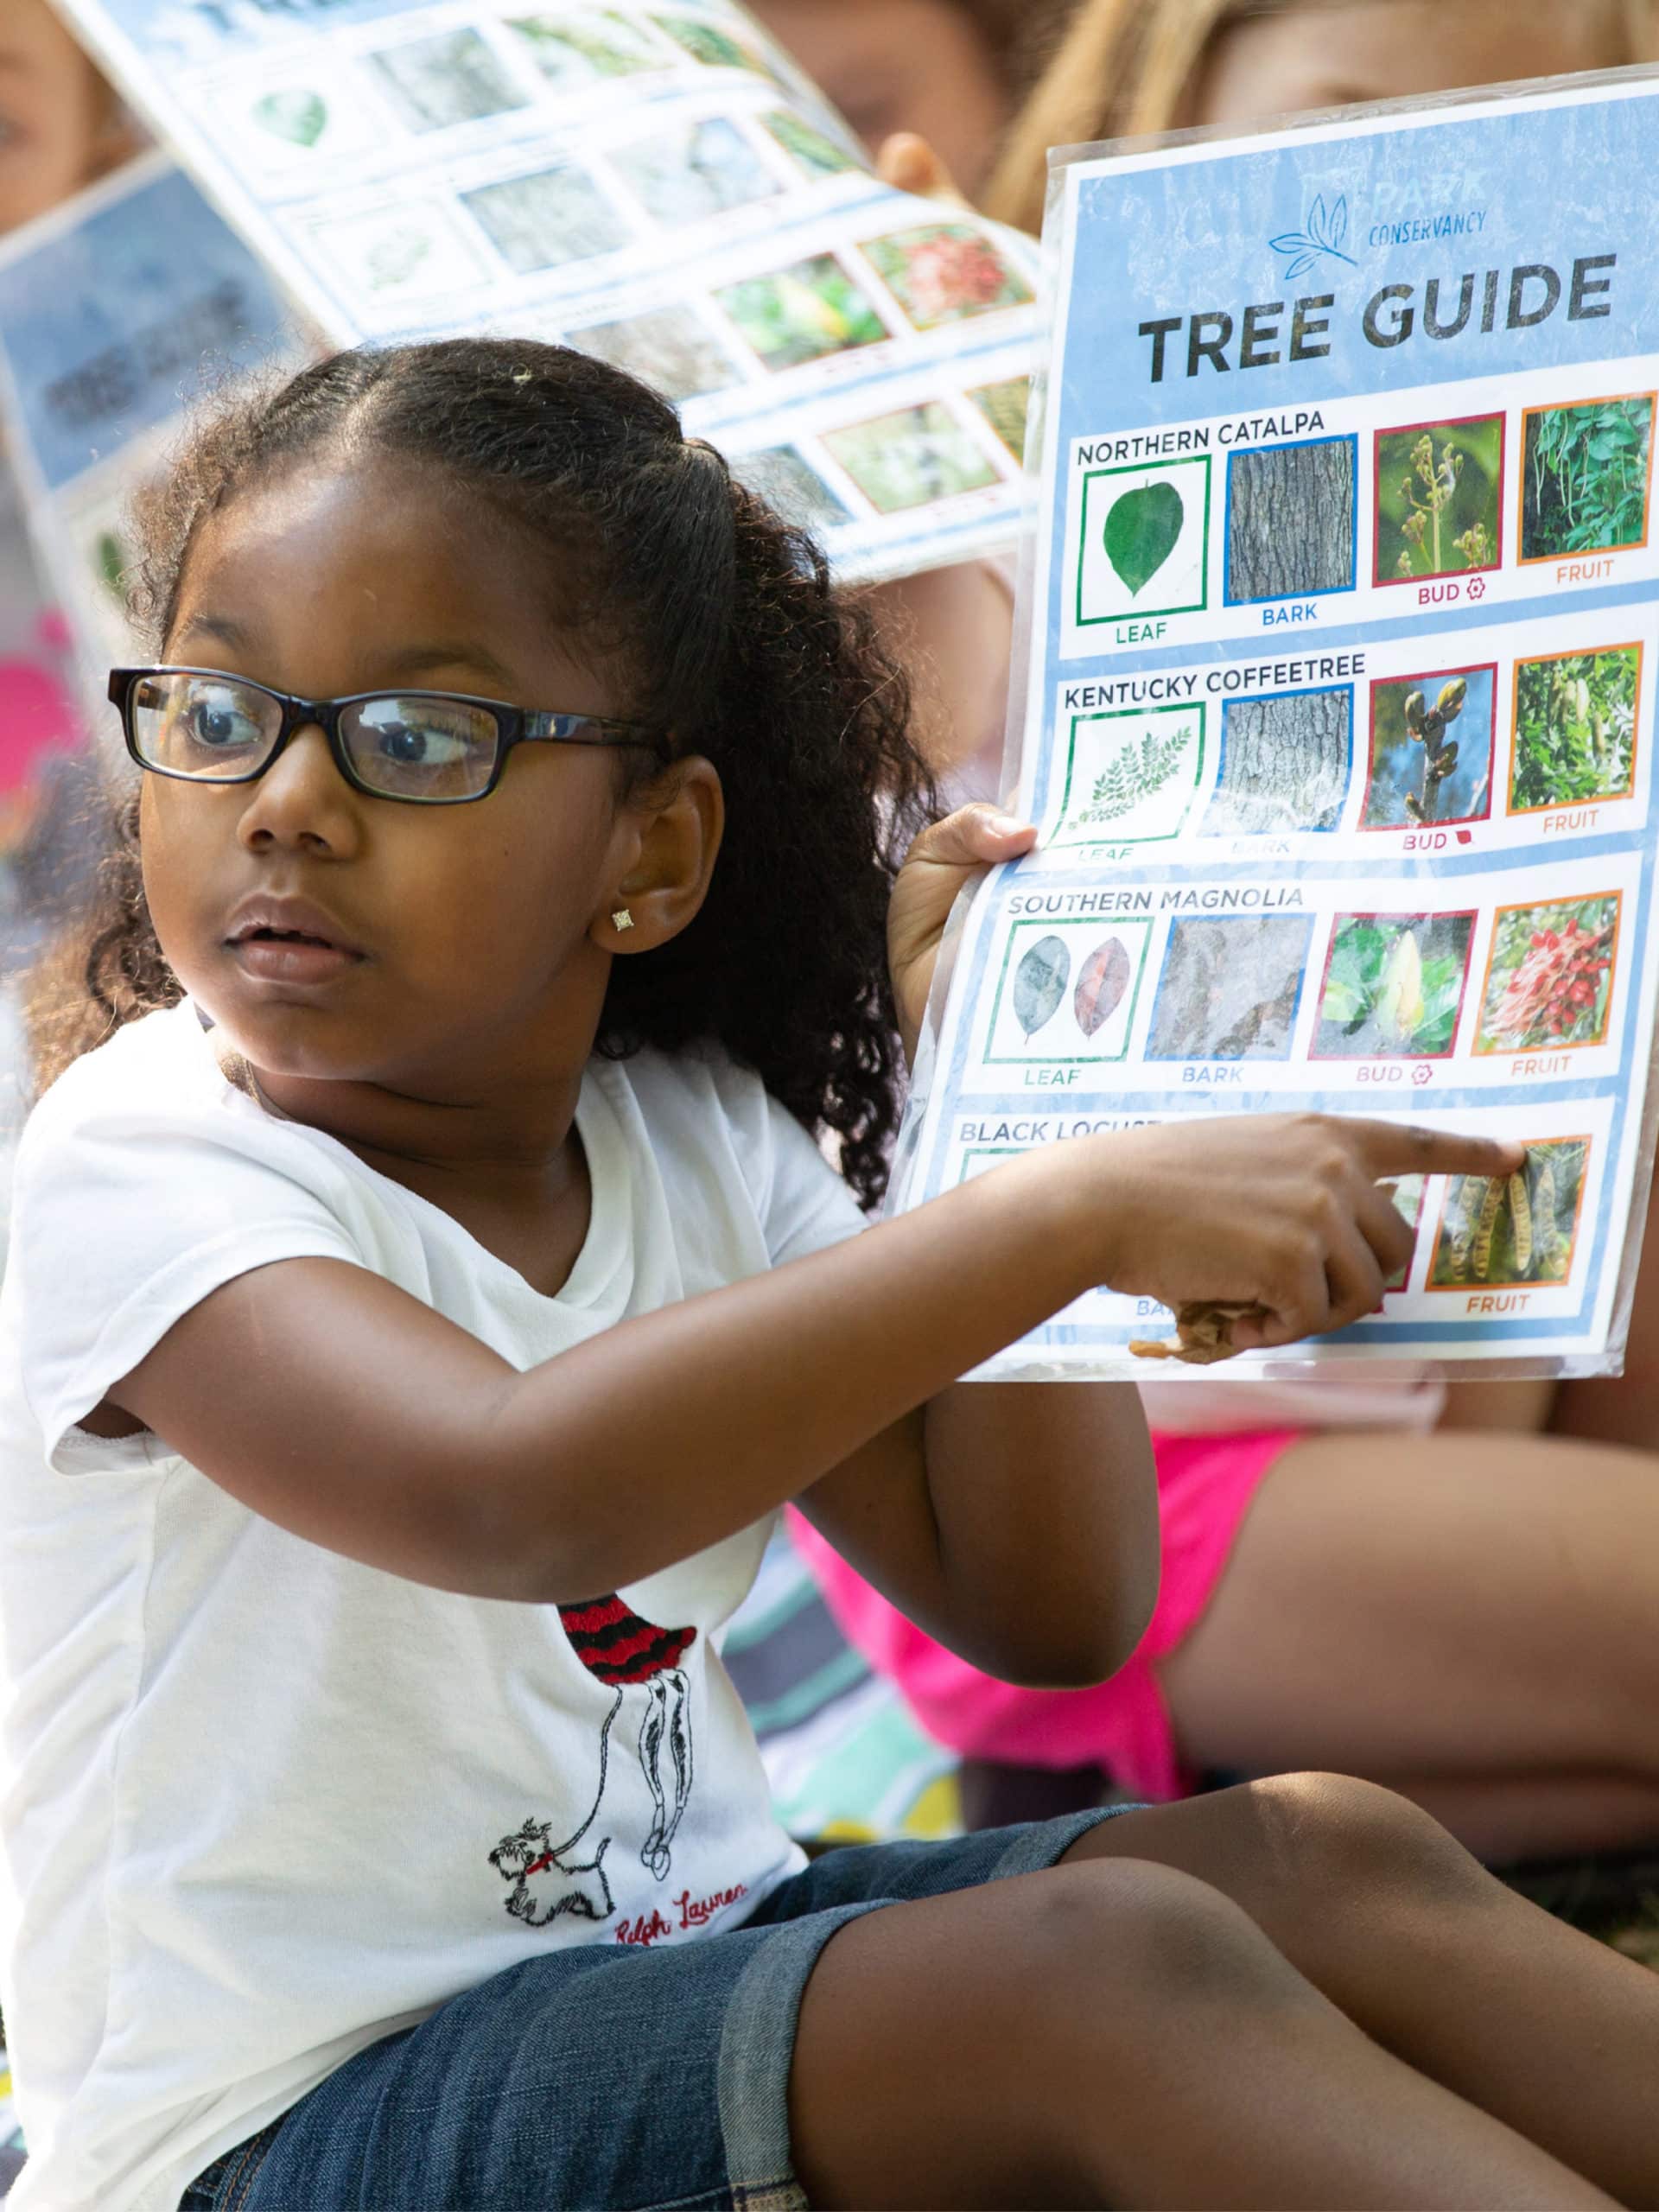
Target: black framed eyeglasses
426	748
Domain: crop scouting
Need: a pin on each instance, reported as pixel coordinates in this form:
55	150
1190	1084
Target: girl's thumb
972	836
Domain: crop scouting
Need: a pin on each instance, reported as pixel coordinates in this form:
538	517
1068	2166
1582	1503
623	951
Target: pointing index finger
1408	1148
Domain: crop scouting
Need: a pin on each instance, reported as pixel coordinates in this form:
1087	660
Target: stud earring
621	919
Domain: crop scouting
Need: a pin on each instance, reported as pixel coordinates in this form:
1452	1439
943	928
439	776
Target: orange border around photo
1469	1289
1542	660
1538	906
1525	560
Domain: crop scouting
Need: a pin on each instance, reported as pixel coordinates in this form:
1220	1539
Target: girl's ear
679	819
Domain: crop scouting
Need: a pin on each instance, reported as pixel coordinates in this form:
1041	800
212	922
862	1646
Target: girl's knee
1132	1937
1333	1831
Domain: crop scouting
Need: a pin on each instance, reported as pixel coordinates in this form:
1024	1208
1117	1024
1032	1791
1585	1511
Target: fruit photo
1550	983
1587	474
945	272
1516	1228
1575	729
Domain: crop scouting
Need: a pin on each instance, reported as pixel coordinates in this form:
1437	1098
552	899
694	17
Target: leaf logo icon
1325	232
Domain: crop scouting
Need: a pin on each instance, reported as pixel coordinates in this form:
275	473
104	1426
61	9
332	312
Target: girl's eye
215	721
422	748
420	744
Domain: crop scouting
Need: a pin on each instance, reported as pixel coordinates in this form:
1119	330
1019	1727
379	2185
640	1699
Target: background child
61	126
1375	1580
459	1250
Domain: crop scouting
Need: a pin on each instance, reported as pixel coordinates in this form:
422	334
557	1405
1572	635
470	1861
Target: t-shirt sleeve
124	1217
802	1204
807	1206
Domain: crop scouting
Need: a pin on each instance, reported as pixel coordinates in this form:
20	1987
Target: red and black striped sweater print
617	1647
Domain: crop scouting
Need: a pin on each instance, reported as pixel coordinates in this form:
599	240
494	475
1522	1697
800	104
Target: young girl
419	1304
1370	1580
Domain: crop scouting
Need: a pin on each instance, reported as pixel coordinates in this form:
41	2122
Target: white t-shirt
263	1805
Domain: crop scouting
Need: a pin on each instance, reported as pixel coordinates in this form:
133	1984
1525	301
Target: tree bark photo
1290	520
1285	765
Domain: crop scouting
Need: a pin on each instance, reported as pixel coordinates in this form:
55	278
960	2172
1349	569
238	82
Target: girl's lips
292	959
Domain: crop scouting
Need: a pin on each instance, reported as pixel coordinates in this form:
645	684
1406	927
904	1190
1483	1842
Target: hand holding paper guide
1336	718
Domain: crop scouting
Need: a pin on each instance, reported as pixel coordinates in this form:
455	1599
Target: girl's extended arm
342	1408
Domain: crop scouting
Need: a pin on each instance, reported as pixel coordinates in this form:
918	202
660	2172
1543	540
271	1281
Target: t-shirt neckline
599	1125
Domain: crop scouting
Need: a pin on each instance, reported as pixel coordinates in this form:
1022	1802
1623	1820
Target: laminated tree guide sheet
1337	714
653	182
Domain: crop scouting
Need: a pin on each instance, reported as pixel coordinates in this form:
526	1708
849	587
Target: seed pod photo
1440	498
1575	729
1517	1228
1431	749
1067	991
1586	477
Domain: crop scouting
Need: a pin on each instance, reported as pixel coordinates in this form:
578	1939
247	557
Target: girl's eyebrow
415	660
222	626
403	665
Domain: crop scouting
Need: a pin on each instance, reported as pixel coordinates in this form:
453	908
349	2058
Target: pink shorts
1204	1487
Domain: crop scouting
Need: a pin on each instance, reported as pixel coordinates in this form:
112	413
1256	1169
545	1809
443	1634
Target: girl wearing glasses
427	1286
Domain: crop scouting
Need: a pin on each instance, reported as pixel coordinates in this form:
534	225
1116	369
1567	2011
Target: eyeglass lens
214	729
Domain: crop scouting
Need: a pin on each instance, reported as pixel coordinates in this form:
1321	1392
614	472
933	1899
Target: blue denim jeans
603	2078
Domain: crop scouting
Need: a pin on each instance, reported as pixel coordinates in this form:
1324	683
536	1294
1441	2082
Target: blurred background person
931	88
1124	68
61	128
61	124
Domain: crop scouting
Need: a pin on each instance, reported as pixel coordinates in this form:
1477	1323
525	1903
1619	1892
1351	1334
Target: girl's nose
302	802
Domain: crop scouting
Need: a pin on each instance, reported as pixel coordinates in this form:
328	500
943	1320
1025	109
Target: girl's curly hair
725	624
